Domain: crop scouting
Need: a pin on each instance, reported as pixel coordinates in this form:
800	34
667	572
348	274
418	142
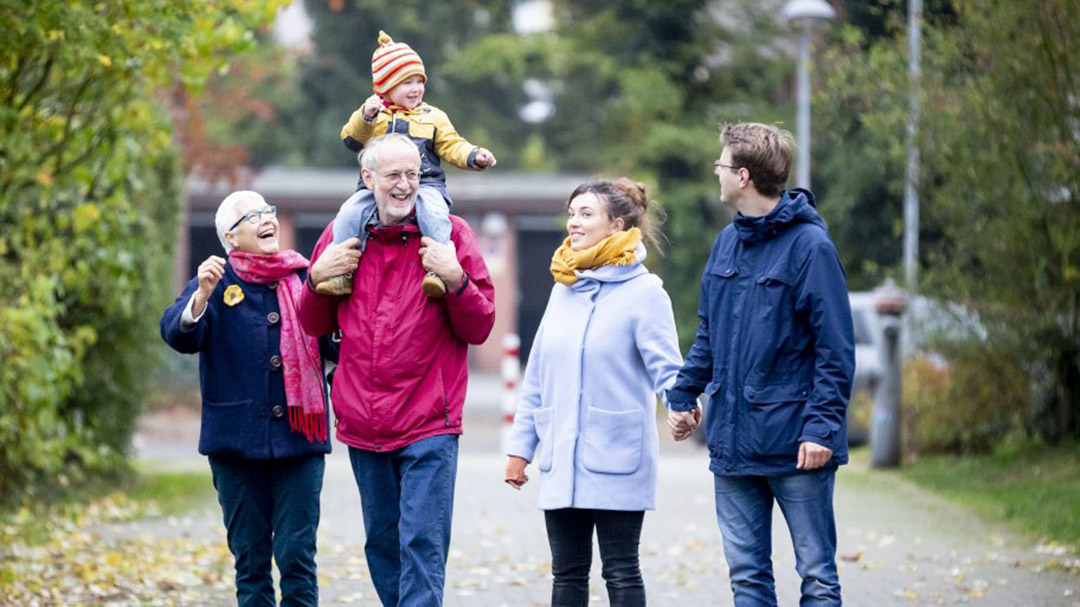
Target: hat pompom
385	38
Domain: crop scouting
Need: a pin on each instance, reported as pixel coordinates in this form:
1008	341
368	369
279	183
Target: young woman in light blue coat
605	349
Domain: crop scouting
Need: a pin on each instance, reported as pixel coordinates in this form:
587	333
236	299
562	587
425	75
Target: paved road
898	544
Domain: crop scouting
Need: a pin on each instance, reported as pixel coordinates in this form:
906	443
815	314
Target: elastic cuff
471	162
683	407
681	397
824	441
464	283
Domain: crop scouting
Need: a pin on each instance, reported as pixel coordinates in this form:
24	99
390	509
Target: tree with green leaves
89	196
1000	194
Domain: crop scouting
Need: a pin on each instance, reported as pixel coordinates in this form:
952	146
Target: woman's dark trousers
570	533
271	508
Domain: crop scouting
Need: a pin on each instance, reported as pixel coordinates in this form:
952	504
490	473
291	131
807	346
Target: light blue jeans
744	506
432	214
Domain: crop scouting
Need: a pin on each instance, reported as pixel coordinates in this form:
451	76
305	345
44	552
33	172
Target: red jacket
402	369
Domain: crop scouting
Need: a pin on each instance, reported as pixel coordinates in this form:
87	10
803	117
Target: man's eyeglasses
255	216
720	165
396	176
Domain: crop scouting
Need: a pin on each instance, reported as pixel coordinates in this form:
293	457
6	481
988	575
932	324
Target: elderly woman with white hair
264	400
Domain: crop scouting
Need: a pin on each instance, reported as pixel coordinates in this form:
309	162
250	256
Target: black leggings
570	532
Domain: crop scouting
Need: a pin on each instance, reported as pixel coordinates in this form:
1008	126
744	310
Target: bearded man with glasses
400	384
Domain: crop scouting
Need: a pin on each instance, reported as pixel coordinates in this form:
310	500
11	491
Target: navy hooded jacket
775	350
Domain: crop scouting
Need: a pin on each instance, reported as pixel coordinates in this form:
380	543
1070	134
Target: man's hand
336	260
683	423
442	260
484	158
812	456
209	273
372	105
515	472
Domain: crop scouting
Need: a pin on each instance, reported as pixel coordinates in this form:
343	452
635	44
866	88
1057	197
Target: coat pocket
775	417
226	427
543	422
775	295
419	130
613	441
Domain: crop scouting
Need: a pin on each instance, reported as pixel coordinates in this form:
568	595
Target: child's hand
372	106
484	158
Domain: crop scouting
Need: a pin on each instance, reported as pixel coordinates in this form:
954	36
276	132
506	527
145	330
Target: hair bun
635	191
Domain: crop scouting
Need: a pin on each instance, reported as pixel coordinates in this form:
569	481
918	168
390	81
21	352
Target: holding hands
683	423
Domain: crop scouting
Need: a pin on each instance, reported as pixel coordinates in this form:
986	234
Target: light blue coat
605	349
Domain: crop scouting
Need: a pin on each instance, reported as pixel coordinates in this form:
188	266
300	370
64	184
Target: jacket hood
612	273
796	206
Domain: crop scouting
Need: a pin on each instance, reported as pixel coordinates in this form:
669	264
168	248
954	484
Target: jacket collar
796	206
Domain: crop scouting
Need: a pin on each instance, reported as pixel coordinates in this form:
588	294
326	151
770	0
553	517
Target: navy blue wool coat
775	348
244	410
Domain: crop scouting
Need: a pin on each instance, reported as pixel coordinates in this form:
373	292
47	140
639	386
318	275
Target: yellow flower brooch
233	295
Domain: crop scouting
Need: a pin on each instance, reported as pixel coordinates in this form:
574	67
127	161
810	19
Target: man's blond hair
762	149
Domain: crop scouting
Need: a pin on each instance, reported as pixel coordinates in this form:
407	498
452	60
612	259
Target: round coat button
278	411
275	362
273	318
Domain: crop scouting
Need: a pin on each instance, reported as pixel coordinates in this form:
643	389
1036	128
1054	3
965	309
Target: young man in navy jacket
775	351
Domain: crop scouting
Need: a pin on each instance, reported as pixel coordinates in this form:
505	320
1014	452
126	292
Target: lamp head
797	10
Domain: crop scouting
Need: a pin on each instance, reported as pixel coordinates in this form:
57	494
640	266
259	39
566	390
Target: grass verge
102	501
1032	488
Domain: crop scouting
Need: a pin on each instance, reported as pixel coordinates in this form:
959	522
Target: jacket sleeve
318	313
187	340
472	306
452	147
696	371
657	341
358	131
523	439
822	298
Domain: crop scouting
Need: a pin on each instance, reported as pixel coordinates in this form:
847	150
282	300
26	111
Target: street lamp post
804	13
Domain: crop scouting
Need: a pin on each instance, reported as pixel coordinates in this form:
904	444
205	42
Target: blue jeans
570	533
744	507
407	496
432	215
271	507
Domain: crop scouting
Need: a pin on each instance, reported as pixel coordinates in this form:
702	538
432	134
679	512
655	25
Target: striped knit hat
392	63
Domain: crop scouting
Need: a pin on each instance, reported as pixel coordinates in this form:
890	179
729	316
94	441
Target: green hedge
89	196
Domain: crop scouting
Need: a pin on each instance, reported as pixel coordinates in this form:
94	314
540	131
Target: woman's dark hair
627	199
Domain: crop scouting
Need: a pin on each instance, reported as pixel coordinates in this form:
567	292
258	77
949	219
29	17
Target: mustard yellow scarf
615	250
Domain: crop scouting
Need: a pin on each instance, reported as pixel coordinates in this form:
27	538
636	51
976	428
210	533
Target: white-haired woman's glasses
255	216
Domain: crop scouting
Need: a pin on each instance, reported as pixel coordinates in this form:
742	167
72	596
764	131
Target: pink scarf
299	351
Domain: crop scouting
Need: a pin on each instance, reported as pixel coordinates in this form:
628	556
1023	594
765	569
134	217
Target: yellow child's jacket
428	126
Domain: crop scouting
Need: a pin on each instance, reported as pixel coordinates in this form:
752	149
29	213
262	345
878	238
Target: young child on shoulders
398	106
